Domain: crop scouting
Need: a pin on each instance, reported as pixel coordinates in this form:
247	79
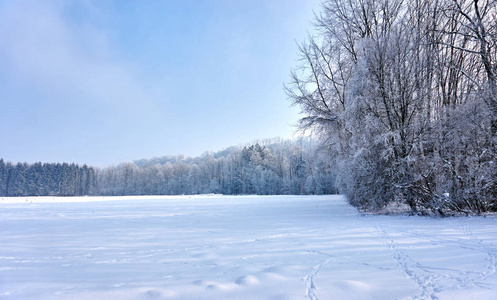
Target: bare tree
391	85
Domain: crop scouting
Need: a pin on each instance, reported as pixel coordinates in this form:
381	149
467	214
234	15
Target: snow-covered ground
221	247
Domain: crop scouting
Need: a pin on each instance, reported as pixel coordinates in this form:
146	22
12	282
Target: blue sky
102	82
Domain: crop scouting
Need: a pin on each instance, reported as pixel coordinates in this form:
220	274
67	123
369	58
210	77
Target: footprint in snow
247	280
152	294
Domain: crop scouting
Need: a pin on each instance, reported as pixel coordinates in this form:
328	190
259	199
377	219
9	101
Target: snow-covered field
221	247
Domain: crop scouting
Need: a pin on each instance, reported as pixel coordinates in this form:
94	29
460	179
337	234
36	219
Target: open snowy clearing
222	247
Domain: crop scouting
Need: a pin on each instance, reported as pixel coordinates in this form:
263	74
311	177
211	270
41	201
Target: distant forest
47	179
265	168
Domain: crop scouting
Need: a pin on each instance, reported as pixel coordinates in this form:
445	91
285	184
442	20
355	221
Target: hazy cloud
41	46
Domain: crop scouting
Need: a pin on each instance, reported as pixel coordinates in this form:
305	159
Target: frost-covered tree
266	167
23	179
403	95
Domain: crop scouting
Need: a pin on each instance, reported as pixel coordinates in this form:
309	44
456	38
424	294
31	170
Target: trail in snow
427	281
491	253
433	280
311	287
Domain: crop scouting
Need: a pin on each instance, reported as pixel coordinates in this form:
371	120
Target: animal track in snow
429	284
490	252
311	286
459	278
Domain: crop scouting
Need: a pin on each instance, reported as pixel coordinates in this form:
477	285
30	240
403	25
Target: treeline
404	95
48	179
268	167
265	168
